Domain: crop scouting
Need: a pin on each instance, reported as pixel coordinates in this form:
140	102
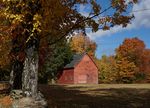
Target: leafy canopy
56	19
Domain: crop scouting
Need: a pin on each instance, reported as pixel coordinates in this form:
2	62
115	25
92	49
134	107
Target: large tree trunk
30	73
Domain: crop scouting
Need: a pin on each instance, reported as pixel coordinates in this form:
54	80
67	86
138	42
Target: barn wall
66	77
86	70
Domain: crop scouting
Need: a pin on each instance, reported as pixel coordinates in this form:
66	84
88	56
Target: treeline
130	64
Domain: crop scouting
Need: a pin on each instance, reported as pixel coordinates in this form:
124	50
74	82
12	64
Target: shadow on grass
84	97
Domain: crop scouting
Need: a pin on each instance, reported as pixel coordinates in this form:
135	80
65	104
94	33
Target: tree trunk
30	73
16	75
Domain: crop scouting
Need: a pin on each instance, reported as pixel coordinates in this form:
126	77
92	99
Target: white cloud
142	19
101	33
82	10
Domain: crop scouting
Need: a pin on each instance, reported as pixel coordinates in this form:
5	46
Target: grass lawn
97	96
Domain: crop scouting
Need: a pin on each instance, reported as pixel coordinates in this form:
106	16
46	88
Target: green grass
97	96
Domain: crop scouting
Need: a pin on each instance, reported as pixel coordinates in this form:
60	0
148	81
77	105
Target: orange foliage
145	66
135	52
132	49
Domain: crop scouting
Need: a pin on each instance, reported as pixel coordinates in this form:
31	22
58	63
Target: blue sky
107	44
108	41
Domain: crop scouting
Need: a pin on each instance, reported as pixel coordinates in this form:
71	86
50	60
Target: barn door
82	79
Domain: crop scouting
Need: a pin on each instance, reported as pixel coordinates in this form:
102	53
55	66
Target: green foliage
56	59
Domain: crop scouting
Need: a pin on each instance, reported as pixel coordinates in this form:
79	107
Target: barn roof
76	59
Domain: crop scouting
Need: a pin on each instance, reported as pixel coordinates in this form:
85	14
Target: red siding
67	77
86	70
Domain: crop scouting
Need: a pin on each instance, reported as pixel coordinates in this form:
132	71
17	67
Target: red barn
81	70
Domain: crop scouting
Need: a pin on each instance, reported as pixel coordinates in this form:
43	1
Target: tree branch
76	24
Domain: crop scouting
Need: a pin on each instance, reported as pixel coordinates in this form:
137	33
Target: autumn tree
52	20
81	43
125	69
107	69
132	50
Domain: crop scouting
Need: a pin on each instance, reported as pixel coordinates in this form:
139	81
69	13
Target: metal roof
76	59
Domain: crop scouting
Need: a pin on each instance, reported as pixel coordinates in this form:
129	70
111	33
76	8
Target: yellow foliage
81	44
78	43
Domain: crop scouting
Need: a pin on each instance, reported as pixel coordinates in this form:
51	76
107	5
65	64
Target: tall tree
132	49
25	21
57	57
33	20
